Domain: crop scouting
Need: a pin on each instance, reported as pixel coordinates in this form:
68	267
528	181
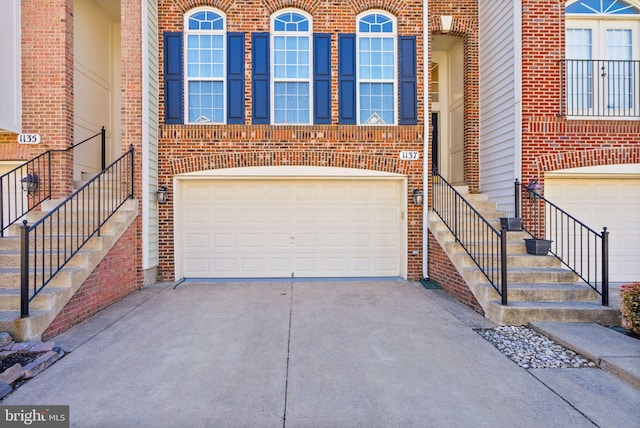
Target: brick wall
113	278
442	271
465	26
189	148
551	142
47	87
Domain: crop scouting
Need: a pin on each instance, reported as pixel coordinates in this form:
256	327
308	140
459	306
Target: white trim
426	166
145	136
11	71
288	172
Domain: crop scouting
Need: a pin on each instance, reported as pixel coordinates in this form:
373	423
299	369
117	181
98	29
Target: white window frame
272	35
393	35
599	23
187	33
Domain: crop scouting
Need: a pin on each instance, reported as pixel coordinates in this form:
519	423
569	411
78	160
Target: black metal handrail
49	244
583	250
14	203
600	88
486	245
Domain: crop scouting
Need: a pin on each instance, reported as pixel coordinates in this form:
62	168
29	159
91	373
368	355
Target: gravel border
531	350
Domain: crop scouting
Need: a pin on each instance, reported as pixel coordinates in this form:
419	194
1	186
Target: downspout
425	140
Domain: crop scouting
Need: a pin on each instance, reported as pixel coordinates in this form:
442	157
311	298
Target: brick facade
190	148
48	109
444	273
465	26
113	278
549	142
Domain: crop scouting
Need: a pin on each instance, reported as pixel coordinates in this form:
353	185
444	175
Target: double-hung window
377	73
291	68
205	66
376	69
603	58
204	71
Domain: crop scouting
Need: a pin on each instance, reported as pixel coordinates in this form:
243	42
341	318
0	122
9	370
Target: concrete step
10	298
524	312
531	275
540	288
10	276
13	242
542	292
492	216
50	257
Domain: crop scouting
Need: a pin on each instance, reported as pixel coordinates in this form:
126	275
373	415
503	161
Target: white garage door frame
285	173
604	196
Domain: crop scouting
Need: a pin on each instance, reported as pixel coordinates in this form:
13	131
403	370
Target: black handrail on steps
574	243
52	241
486	245
13	204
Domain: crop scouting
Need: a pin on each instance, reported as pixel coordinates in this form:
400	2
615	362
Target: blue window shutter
235	78
173	106
407	83
260	78
347	79
322	78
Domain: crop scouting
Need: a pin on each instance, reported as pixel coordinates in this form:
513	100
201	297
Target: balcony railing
600	88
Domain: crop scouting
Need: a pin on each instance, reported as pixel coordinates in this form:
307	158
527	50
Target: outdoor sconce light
445	21
30	182
535	189
162	194
418	197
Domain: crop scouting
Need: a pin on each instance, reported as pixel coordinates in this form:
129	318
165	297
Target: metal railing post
605	267
516	197
103	138
131	169
24	270
503	264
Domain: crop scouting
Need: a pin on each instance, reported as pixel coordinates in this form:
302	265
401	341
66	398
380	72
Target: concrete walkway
309	354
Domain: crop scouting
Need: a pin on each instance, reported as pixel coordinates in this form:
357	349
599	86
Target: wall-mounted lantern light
418	197
445	22
535	189
30	183
162	194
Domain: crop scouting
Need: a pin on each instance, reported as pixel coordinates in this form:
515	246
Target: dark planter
538	247
511	223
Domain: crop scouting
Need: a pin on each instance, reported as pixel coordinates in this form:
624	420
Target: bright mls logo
34	416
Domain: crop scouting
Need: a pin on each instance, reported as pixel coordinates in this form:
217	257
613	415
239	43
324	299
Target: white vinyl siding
150	136
500	100
10	74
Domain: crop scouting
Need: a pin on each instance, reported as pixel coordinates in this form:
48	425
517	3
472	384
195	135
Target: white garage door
610	202
261	228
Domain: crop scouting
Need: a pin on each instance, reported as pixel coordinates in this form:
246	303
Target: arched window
376	68
291	67
603	53
205	53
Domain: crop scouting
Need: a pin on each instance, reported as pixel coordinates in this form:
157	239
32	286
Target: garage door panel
605	202
197	265
198	241
275	228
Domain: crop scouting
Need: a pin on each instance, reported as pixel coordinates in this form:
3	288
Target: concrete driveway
303	354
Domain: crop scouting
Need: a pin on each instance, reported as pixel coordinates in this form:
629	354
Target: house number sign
409	155
29	138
